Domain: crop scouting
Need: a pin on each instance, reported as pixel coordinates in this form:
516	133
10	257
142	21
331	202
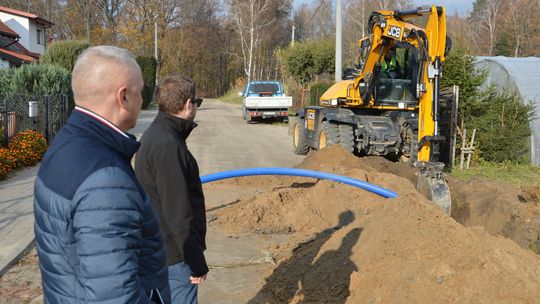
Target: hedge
316	90
35	79
148	67
64	53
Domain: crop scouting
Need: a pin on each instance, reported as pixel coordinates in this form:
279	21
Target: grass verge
232	96
513	173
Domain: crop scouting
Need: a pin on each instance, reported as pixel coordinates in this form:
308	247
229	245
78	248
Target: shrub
459	69
316	90
307	59
5	81
64	53
148	67
297	62
40	79
324	52
32	80
27	148
296	91
7	163
502	123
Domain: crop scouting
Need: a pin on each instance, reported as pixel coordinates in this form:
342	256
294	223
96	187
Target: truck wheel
299	138
328	135
247	118
346	137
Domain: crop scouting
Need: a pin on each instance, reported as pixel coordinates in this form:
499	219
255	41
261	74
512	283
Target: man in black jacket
170	175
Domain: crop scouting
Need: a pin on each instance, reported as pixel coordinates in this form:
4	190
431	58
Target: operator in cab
390	65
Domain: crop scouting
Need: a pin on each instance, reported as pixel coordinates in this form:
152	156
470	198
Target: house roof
21	49
34	17
6	31
13	50
22	57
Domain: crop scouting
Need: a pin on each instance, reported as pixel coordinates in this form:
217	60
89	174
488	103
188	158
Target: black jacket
170	175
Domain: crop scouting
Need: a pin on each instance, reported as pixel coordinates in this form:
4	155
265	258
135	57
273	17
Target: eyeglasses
197	100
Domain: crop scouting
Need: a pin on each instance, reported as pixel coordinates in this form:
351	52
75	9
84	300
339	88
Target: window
263	88
40	37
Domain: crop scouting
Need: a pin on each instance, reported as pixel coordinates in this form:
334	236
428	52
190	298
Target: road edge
20	249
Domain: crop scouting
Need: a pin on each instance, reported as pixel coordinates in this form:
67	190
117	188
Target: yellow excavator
390	105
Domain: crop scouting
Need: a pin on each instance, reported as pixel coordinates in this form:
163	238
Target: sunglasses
197	100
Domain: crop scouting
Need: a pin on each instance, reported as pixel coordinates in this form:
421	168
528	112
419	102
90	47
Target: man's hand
197	280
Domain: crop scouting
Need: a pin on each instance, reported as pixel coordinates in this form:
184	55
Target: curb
21	249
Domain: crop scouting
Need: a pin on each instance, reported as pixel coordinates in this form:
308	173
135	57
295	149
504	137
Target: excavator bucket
432	185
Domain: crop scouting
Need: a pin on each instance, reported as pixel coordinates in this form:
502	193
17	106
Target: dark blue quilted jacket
97	236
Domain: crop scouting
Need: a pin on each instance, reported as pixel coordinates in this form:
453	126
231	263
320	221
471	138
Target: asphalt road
224	141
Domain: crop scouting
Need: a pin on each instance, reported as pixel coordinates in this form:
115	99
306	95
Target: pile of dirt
530	194
352	246
501	208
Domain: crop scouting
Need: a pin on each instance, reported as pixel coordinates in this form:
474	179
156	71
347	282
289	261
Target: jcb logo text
394	31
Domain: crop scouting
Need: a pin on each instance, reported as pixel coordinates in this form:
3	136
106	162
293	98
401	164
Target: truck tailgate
268	102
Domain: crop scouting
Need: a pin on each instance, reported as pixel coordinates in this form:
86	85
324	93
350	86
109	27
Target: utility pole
156	50
292	38
338	41
155	41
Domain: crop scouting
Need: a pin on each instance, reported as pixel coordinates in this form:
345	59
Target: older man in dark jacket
169	173
97	236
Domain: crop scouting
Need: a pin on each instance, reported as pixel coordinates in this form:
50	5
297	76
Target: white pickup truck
265	99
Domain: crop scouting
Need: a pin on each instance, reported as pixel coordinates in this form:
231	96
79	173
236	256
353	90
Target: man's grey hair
106	52
96	67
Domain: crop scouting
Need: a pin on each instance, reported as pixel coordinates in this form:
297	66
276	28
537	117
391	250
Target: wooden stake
463	147
470	149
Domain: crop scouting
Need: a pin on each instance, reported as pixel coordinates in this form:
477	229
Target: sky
463	7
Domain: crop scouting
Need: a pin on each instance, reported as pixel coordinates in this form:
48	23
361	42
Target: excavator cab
397	82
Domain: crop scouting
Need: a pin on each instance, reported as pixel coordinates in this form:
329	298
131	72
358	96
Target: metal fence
42	113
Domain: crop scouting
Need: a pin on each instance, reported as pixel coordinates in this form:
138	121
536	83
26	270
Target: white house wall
27	30
20	25
4	64
33	43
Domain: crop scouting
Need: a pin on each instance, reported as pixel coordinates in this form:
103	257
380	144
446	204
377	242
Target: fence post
66	108
62	110
5	140
47	133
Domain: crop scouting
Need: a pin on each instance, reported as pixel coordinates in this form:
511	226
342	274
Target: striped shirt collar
101	119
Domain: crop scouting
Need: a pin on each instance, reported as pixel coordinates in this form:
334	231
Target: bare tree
524	25
514	13
111	10
251	18
486	14
357	15
87	12
393	4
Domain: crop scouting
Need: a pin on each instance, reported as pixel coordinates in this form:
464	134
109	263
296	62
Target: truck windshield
263	88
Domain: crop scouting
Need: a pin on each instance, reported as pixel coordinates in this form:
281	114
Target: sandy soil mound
503	209
530	194
351	246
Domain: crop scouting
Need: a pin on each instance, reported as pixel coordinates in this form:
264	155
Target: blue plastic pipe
299	172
